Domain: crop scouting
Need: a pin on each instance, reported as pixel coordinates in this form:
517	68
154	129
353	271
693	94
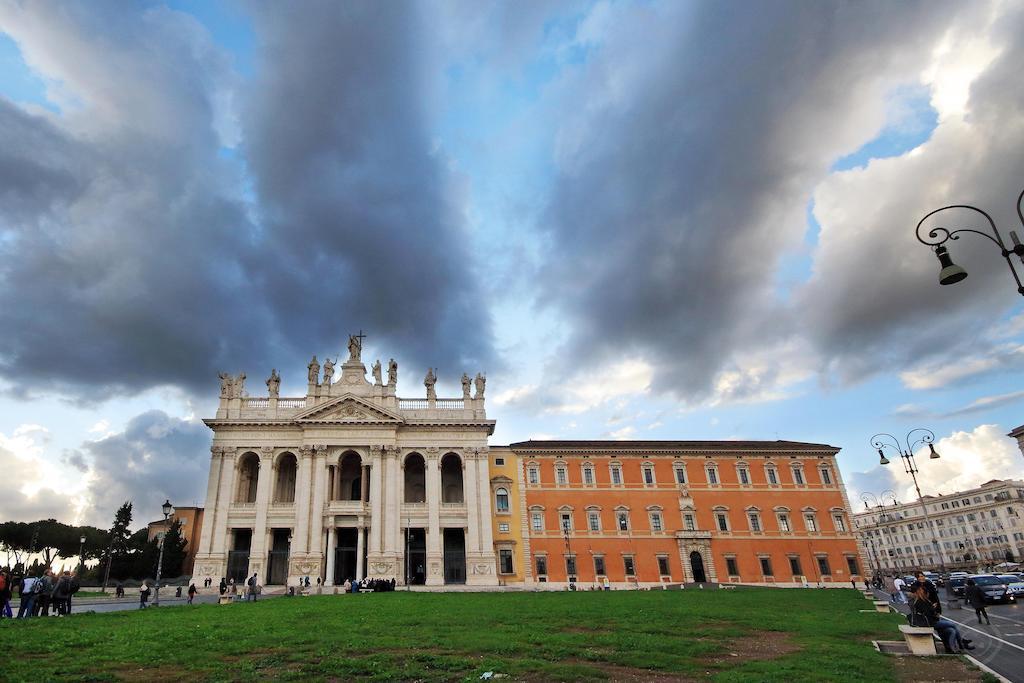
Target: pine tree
117	548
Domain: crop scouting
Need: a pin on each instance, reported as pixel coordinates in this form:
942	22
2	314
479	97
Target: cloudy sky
649	220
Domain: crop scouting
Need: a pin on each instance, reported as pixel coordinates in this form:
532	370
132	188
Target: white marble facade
328	484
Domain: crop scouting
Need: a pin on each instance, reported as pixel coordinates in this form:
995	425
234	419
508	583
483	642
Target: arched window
350	477
501	500
415	479
451	479
284	487
248	477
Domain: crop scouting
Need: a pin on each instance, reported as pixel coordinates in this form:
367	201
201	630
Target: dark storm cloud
131	253
686	168
157	457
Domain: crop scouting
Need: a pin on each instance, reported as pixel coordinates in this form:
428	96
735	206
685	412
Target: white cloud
621	434
100	427
514	395
592	389
936	374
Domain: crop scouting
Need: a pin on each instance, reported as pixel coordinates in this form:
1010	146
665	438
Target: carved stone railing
256	403
291	403
412	404
450	404
436	404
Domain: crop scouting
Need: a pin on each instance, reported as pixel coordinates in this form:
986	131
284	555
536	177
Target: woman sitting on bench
923	613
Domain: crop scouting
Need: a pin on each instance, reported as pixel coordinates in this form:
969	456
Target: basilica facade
349	481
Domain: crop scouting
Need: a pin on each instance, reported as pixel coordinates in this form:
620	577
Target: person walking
923	613
28	597
191	592
251	592
6	590
143	595
119	591
976	598
43	588
899	596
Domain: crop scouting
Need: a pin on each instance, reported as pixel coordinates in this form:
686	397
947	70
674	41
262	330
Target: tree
174	550
117	543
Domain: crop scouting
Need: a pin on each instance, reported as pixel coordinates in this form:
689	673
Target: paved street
999	646
131	602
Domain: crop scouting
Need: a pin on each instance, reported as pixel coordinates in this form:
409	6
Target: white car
1017	589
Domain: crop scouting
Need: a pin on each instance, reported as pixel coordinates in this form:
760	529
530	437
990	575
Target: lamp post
81	549
938	236
910	465
168	511
883	518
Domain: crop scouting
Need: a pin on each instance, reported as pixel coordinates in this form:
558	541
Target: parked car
934	578
908	581
1008	578
993	588
1017	589
957	585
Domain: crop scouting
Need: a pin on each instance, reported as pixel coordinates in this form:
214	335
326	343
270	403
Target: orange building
649	512
191	524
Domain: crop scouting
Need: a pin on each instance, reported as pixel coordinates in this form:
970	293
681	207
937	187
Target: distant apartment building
976	528
191	519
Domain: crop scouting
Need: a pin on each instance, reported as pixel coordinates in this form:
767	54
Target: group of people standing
38	595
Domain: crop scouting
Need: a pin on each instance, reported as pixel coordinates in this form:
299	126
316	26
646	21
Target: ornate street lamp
168	511
937	237
910	465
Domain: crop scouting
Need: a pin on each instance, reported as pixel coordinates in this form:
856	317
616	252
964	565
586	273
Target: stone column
470	493
258	549
393	512
225	499
212	503
484	489
376	507
316	513
303	502
332	541
360	548
435	552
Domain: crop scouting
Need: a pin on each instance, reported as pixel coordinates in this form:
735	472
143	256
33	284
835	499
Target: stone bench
224	600
881	606
920	639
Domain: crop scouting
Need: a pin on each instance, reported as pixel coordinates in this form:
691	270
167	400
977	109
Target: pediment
347	408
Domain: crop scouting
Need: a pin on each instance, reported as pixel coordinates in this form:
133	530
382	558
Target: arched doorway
697	567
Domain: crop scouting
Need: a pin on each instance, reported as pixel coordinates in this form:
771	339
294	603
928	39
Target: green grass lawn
741	635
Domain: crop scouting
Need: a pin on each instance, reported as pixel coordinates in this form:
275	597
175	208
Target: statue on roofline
274	384
392	373
225	384
355	347
377	381
465	386
481	382
429	381
328	372
314	371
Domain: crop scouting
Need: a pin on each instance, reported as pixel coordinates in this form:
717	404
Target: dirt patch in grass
763	646
585	629
935	669
628	673
144	674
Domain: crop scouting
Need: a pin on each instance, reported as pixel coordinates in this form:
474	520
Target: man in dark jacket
43	588
62	594
923	613
976	598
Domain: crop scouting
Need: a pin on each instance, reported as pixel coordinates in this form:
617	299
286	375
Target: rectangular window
755	521
840	523
498	462
648	475
680	475
723	521
617	476
851	564
594	520
537	521
599	565
566	521
560	476
505	561
570	565
503	527
794	566
712	476
588	476
773	476
542	565
784	523
656	524
766	566
744	476
811	523
623	520
730	566
690	522
627	562
798	476
826	476
533	475
823	566
663	567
